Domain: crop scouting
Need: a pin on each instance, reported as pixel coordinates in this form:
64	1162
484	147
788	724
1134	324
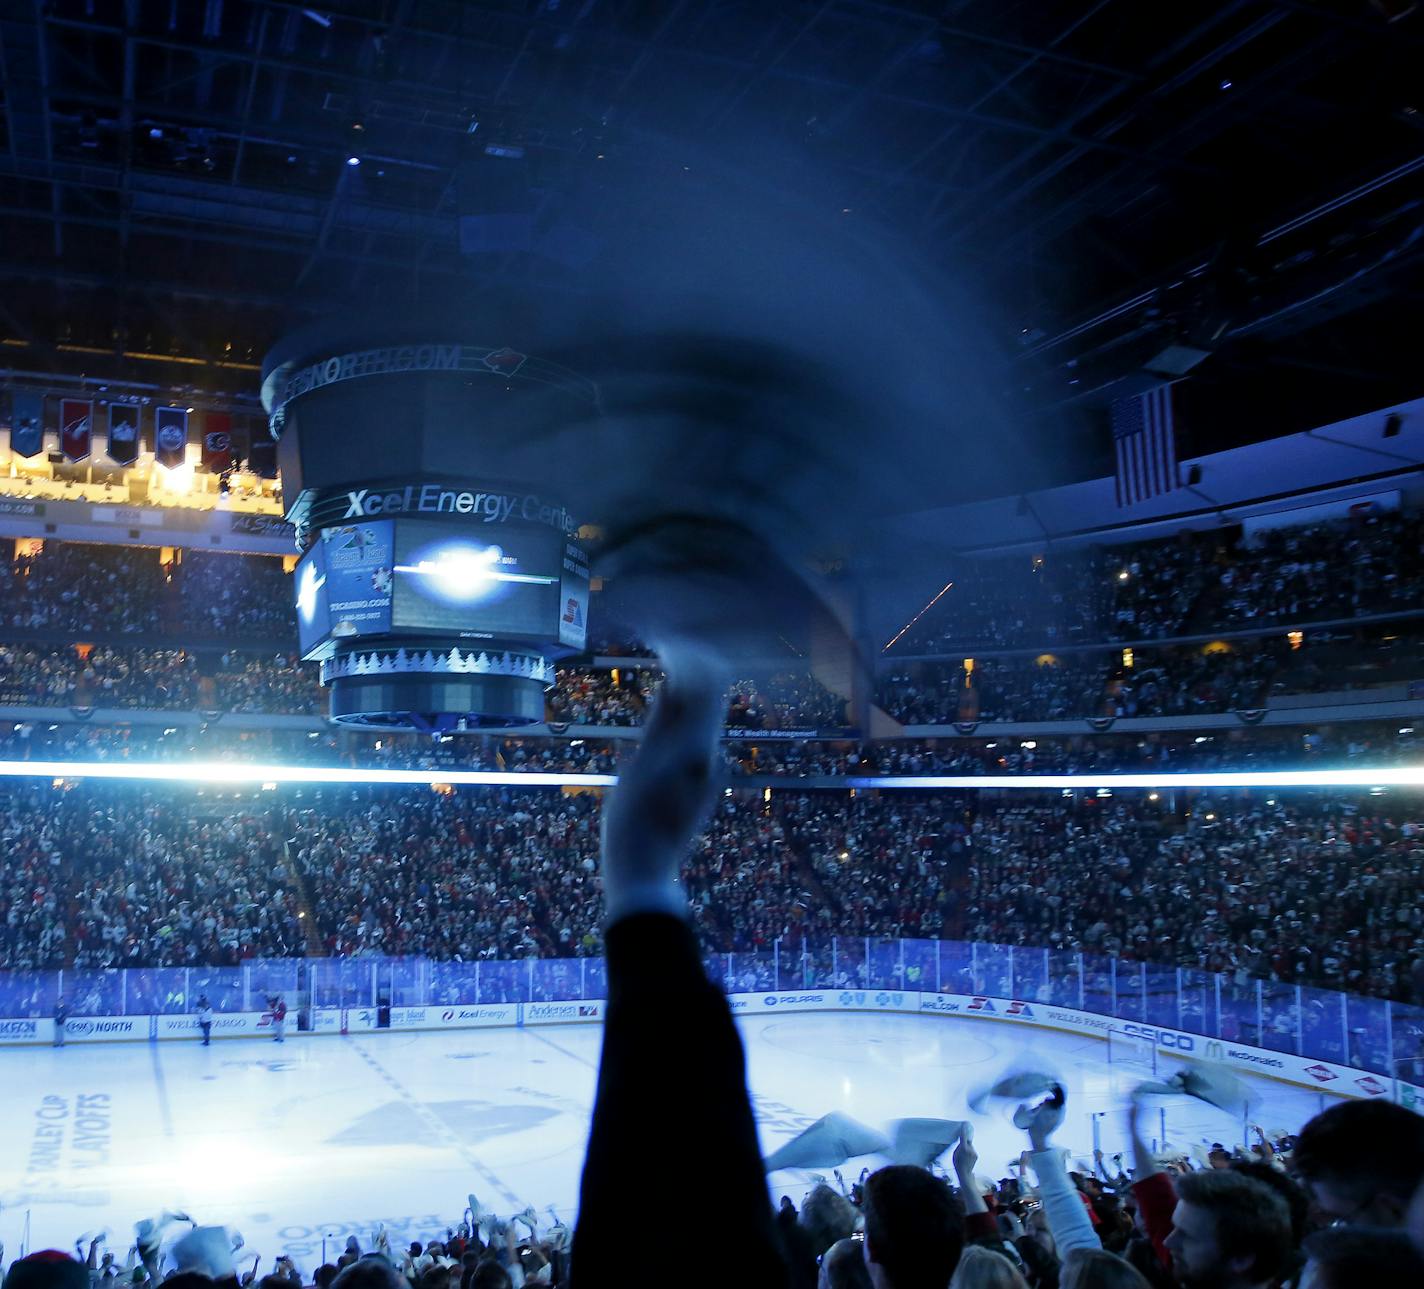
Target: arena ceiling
1234	185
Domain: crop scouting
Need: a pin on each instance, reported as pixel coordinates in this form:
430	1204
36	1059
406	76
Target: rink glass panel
1064	987
25	995
1162	997
1324	1025
1321	1024
1130	990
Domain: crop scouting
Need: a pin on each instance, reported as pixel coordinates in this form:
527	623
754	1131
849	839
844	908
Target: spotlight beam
198	773
1391	777
206	772
461	572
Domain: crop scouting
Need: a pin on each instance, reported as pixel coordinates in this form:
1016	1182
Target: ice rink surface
330	1135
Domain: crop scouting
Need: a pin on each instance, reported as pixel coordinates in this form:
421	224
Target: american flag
1146	444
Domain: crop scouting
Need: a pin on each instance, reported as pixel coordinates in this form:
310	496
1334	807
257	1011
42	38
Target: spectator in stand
982	1268
1098	1269
244	595
1161	682
126	591
1228	1232
1340	569
785	700
1145	591
281	683
132	876
843	1267
138	677
659	1059
826	1217
592	697
914	1229
510	875
1313	889
1362	1162
1267	890
1179	683
1351	1257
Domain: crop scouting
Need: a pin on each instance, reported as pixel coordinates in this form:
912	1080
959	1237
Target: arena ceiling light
1394	777
205	772
235	772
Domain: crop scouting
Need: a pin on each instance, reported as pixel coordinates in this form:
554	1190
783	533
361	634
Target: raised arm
1068	1220
965	1158
672	1077
1156	1196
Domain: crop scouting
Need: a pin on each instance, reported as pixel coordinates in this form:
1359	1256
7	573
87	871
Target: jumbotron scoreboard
473	562
438	579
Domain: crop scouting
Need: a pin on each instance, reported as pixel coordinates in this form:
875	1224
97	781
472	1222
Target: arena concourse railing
1337	1042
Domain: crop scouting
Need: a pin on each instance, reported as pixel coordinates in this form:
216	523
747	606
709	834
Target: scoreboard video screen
358	576
413	577
467	583
313	606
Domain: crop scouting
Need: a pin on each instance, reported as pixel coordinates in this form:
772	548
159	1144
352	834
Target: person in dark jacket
672	1064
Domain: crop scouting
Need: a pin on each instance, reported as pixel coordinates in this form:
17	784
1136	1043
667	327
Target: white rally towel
206	1250
1014	1086
921	1141
828	1143
1214	1084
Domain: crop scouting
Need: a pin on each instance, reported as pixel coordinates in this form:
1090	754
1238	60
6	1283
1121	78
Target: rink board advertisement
27	1030
106	1029
342	1020
350	1020
562	1013
1325	1076
455	1016
225	1025
1340	1080
812	1000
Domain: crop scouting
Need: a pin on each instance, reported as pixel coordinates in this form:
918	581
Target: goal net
1131	1053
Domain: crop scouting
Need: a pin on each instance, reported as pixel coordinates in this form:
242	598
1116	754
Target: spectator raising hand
672	1065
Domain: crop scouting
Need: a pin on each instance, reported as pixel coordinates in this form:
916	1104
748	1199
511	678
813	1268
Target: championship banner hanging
76	427
26	423
123	433
217	442
170	436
